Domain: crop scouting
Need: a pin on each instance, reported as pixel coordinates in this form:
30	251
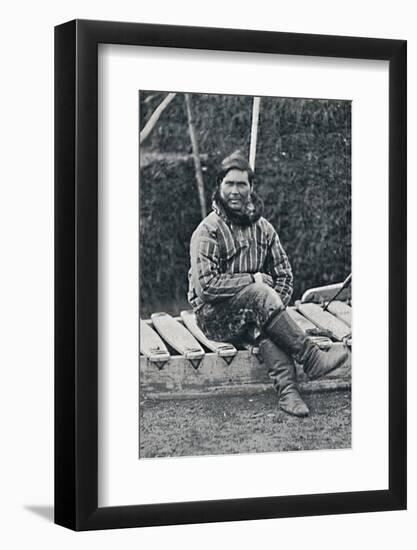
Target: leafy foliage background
303	174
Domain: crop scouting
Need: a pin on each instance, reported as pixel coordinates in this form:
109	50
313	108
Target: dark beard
250	213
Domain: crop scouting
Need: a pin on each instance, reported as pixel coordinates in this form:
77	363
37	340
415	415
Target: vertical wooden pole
254	131
196	157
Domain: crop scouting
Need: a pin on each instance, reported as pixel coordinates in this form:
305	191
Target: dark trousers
241	317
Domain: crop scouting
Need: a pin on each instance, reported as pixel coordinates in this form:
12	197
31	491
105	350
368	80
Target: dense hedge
302	173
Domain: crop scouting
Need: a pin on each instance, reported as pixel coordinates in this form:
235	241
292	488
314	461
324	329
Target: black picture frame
76	272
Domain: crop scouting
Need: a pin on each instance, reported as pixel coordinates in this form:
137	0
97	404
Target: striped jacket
225	256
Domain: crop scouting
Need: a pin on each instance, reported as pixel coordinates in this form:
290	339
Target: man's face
235	189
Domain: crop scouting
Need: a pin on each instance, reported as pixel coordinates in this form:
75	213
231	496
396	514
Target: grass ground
230	425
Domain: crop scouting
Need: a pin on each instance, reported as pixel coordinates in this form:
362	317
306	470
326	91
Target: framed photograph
230	255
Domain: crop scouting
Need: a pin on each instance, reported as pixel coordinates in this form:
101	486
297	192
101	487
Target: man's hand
264	278
258	277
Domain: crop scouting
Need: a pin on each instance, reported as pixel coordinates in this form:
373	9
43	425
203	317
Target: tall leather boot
282	371
285	332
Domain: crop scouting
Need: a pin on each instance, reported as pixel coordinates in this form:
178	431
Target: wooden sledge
194	366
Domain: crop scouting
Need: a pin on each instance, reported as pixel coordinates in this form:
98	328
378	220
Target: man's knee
262	289
258	298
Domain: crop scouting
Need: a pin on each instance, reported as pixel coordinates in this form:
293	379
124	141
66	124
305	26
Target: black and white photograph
209	257
245	275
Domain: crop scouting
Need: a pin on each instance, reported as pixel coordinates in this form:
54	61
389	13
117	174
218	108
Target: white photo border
123	479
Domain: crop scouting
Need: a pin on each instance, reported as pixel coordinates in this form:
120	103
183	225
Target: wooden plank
324	320
301	321
318	386
212	371
223	349
177	336
245	370
151	345
342	311
325	293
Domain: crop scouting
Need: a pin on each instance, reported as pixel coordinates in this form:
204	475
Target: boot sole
297	415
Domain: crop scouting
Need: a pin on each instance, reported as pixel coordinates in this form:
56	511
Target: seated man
240	283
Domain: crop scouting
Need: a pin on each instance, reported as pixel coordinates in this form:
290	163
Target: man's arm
280	269
211	285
